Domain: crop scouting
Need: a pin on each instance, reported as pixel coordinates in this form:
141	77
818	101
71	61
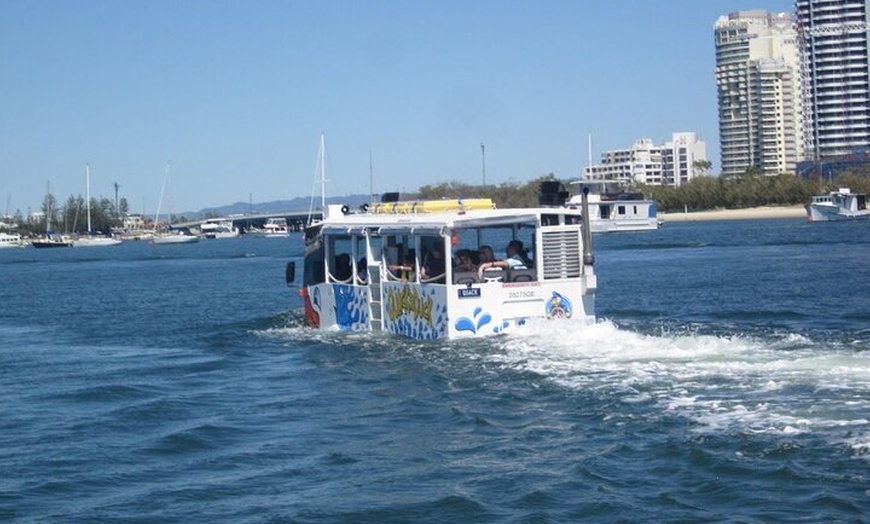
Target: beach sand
797	211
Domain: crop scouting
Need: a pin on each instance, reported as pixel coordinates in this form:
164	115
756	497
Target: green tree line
72	216
751	189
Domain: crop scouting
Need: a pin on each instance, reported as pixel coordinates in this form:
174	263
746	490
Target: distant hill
278	206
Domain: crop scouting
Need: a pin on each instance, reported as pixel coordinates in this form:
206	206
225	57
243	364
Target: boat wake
781	385
788	385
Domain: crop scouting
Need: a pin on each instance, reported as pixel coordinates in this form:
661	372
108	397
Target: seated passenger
343	268
405	270
522	253
514	260
464	262
362	270
434	266
485	255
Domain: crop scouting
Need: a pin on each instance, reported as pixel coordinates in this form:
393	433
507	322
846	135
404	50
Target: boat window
313	270
469	246
432	262
550	220
398	252
339	261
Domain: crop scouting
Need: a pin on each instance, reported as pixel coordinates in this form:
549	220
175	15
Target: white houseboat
838	205
420	269
618	211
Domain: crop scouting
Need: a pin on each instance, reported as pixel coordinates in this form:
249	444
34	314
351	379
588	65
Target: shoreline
796	211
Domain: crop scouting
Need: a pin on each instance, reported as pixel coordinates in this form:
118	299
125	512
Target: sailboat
92	240
50	240
168	236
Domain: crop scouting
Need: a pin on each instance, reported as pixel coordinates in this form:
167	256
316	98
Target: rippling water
727	380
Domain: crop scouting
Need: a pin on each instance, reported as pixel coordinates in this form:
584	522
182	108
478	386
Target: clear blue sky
236	94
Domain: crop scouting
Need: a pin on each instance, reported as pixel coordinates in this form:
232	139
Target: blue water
728	379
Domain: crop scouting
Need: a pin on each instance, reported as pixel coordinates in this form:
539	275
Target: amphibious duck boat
413	268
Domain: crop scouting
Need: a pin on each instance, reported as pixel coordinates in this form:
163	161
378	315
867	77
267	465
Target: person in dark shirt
434	266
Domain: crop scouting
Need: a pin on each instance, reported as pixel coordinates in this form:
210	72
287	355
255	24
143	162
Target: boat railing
392	276
335	280
437	279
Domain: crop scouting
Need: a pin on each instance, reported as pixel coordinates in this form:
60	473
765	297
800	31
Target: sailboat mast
48	208
322	173
88	193
160	200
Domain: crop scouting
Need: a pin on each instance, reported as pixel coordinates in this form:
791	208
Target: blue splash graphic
467	324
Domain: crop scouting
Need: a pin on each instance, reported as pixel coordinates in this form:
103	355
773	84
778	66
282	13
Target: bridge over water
295	220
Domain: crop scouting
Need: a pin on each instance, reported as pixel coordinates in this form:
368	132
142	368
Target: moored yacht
51	240
276	227
219	228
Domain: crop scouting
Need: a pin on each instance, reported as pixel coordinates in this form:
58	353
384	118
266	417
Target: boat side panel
416	311
494	307
340	306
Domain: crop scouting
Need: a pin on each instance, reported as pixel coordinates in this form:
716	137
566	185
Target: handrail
436	277
332	278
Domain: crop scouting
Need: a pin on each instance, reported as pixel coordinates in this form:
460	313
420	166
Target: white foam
787	386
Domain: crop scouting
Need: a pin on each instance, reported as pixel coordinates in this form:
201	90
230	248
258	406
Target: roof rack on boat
432	206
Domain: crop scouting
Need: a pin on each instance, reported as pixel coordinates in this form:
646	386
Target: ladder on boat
374	268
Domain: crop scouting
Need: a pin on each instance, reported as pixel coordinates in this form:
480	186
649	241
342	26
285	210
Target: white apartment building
836	74
759	92
671	164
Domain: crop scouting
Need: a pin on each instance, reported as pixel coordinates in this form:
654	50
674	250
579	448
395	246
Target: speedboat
618	211
355	274
838	205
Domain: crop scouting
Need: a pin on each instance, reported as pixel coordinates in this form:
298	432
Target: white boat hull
829	213
174	239
96	242
222	234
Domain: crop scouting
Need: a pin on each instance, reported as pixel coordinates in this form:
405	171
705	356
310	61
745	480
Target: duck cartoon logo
559	307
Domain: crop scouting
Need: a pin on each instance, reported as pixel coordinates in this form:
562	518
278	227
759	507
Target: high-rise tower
759	91
835	65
